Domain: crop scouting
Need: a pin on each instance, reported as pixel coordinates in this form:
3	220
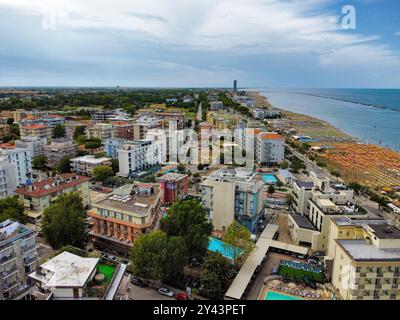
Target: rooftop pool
223	248
272	295
269	178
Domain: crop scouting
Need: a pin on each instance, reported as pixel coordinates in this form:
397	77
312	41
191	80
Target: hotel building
270	148
59	149
85	165
174	186
36	130
21	160
34	144
100	131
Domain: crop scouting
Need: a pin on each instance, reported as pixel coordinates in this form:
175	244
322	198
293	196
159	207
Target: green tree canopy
92	143
39	162
64	166
238	236
213	278
79	131
12	208
271	189
187	219
63	223
101	173
59	131
159	257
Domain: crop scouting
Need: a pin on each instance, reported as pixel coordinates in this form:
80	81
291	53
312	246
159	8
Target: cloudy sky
199	43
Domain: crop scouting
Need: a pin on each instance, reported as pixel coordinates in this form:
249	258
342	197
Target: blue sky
199	43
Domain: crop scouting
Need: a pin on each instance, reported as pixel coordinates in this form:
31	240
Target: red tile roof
40	190
271	136
34	126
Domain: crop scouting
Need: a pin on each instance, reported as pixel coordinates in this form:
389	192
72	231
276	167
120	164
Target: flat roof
243	278
362	250
69	270
385	231
172	177
303	222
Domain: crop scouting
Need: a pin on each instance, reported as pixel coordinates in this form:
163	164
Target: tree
64	166
356	187
12	208
238	237
93	144
39	162
10	121
271	189
101	173
159	257
181	168
79	131
213	278
187	219
115	165
59	131
63	223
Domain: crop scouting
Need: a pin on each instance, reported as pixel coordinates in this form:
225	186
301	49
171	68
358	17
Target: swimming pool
269	178
223	248
272	295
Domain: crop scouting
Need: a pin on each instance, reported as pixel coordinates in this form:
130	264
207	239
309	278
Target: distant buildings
18	258
69	276
40	195
59	149
270	148
120	219
235	89
216	105
136	156
111	146
70	128
8	182
125	130
262	114
100	131
36	130
174	187
85	165
233	194
21	160
34	144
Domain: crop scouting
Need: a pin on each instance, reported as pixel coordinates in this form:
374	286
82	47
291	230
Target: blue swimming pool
223	248
271	295
269	178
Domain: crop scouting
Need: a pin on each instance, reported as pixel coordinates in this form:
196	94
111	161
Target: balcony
29	260
6	259
9	272
8	286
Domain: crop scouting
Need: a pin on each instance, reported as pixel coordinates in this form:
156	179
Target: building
51	120
125	130
103	115
235	86
233	194
70	128
71	276
7	178
59	149
172	116
85	165
21	160
216	105
36	130
18	258
111	147
119	219
34	144
367	265
100	131
40	195
270	148
137	156
174	186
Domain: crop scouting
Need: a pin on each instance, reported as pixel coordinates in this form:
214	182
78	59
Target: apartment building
230	194
18	257
34	144
137	156
270	148
52	120
367	267
216	105
71	276
125	130
100	131
7	178
70	128
21	160
119	219
40	195
59	149
36	130
174	186
111	146
86	164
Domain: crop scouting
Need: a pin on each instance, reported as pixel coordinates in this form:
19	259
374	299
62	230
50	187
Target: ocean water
372	115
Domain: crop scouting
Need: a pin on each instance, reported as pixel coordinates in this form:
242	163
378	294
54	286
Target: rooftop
270	136
172	177
48	186
362	250
303	222
11	230
91	159
382	231
35	127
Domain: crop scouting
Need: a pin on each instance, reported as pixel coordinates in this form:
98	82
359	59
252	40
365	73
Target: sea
371	115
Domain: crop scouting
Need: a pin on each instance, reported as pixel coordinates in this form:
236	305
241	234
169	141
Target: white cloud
228	26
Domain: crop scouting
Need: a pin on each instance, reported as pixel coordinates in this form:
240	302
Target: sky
199	43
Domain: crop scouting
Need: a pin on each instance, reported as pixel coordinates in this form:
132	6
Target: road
138	293
200	113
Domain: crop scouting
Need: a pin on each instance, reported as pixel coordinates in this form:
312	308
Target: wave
347	100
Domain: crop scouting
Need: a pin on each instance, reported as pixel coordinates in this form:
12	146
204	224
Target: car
319	254
166	292
231	274
138	282
301	256
261	228
274	271
181	296
312	261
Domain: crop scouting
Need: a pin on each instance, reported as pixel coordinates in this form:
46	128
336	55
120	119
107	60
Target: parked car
181	296
319	254
138	282
301	256
261	228
166	292
312	261
274	271
231	274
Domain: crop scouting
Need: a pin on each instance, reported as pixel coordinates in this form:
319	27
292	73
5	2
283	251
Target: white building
216	105
136	156
34	144
7	178
270	148
86	164
21	159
